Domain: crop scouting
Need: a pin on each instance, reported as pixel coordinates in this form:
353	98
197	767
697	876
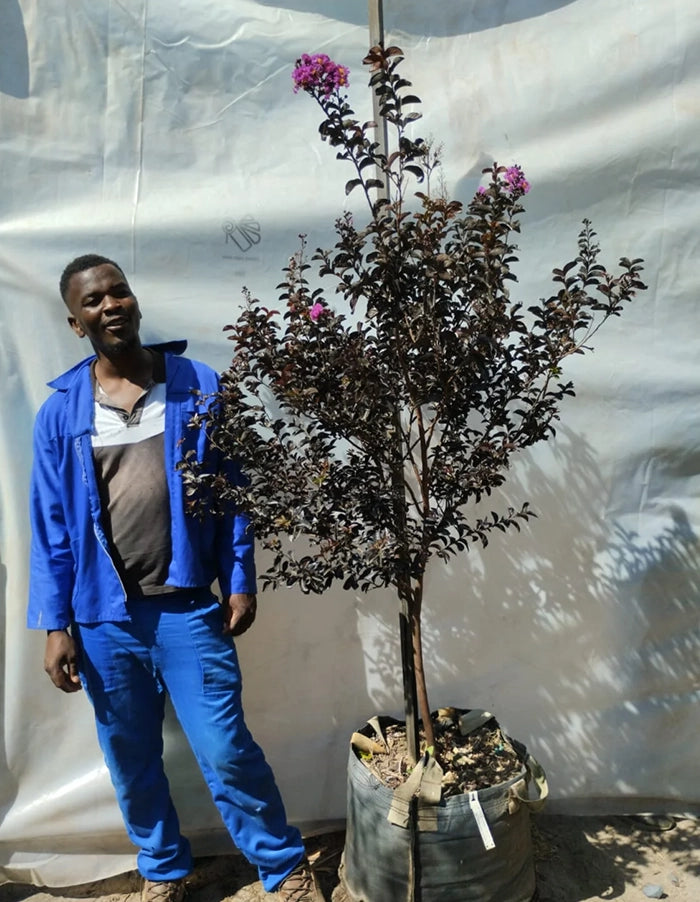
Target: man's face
103	309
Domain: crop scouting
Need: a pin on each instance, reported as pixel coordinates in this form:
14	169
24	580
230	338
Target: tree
367	436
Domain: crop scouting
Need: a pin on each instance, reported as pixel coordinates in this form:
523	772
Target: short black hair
80	264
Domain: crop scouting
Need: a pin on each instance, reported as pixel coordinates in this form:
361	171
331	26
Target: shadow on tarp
600	627
447	18
14	55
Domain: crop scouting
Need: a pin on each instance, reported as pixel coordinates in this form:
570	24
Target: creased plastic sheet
166	135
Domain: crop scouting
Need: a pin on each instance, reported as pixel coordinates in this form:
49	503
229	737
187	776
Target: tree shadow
14	55
600	858
597	670
599	666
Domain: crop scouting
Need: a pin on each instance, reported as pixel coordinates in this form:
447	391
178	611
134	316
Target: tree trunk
416	704
409	679
418	669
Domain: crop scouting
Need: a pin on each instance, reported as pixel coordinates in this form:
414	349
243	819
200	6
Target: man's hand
61	661
239	613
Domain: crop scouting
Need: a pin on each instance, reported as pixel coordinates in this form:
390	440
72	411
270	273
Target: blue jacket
72	576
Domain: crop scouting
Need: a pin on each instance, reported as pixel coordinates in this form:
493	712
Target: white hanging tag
481	822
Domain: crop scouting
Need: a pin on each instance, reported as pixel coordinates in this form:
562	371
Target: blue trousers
174	644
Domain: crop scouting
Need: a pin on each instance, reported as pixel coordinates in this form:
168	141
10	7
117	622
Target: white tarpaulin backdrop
166	135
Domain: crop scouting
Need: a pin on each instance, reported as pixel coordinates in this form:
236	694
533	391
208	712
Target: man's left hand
239	613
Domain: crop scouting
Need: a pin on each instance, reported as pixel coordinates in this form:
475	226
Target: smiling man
120	580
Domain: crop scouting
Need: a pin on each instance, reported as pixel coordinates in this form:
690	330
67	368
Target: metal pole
376	36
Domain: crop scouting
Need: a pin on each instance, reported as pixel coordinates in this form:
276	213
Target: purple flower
316	311
318	74
515	181
481	190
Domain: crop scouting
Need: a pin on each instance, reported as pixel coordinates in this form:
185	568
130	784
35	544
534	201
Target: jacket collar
67	379
76	386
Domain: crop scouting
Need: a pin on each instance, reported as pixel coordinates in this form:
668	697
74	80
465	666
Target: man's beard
121	346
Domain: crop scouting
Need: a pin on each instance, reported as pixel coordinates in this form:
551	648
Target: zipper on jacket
111	561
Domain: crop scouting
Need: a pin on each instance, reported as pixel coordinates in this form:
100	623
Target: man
120	579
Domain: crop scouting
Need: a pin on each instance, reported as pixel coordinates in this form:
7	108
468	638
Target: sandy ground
577	859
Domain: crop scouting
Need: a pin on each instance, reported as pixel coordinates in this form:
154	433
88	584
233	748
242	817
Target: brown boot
163	891
299	886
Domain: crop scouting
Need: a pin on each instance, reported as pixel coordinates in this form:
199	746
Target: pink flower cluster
515	180
318	73
316	310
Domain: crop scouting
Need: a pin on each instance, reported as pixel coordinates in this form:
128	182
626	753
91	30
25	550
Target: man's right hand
61	661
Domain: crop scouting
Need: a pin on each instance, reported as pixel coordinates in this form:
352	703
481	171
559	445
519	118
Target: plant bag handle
518	793
425	784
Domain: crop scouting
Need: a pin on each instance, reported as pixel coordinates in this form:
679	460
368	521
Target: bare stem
418	666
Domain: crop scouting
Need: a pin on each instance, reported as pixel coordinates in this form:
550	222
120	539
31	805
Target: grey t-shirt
130	468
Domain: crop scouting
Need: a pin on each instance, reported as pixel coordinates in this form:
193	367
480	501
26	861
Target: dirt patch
578	859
